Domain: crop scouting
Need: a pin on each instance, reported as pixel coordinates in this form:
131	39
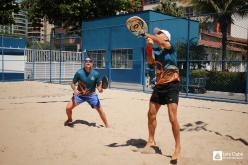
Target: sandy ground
32	131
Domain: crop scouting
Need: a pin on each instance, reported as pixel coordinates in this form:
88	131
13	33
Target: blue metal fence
122	57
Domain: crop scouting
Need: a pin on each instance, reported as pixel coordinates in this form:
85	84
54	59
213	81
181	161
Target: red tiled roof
229	38
218	45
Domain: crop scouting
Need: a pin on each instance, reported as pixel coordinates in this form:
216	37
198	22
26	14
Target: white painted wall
150	7
12	64
239	28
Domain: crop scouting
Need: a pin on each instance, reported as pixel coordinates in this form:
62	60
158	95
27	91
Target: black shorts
166	93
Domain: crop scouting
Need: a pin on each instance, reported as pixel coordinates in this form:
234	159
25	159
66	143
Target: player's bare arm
99	88
149	51
159	39
74	88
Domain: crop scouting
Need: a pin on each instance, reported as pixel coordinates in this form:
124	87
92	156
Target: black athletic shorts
166	93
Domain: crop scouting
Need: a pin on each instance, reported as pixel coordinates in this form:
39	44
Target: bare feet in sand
175	155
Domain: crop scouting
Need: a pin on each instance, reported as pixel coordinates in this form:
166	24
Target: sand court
32	131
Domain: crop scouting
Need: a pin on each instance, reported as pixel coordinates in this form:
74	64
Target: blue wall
12	76
178	27
11	46
12	42
111	33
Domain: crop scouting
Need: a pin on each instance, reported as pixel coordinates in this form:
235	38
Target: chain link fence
55	60
216	71
204	72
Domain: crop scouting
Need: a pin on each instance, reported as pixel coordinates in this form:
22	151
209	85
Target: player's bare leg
69	108
103	116
152	123
172	111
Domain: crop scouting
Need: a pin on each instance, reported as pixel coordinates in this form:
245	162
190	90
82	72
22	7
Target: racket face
105	82
81	85
136	25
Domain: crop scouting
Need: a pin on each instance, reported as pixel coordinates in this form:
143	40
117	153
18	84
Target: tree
197	53
170	8
222	12
70	13
7	7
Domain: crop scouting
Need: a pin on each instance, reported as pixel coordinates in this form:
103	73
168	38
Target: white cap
156	30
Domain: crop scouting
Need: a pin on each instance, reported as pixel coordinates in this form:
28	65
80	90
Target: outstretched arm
149	51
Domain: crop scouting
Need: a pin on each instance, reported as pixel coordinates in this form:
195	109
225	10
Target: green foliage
197	52
170	7
37	45
70	13
6	9
194	73
199	73
226	81
218	81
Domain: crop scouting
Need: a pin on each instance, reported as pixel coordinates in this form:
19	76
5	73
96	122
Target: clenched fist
149	42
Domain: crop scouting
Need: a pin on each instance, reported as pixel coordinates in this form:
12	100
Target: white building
239	28
20	25
150	4
42	33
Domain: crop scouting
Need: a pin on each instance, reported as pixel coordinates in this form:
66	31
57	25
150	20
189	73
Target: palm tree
222	12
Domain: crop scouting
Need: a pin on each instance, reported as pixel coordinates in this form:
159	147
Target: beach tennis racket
105	82
82	85
137	26
83	88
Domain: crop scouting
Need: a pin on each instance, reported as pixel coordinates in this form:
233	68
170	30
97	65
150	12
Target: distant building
236	50
70	40
42	33
239	28
20	25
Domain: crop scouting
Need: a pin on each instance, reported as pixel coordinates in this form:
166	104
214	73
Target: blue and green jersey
167	57
89	81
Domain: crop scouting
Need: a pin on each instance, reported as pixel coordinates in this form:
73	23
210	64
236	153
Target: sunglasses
87	60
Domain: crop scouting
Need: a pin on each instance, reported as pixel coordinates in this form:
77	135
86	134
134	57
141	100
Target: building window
122	58
98	57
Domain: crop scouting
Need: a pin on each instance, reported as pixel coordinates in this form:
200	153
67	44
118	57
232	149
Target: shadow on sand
201	126
139	144
71	124
140	147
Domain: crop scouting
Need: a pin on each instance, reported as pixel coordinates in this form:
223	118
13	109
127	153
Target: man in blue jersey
166	90
87	80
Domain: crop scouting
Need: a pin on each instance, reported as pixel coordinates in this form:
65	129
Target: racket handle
143	35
